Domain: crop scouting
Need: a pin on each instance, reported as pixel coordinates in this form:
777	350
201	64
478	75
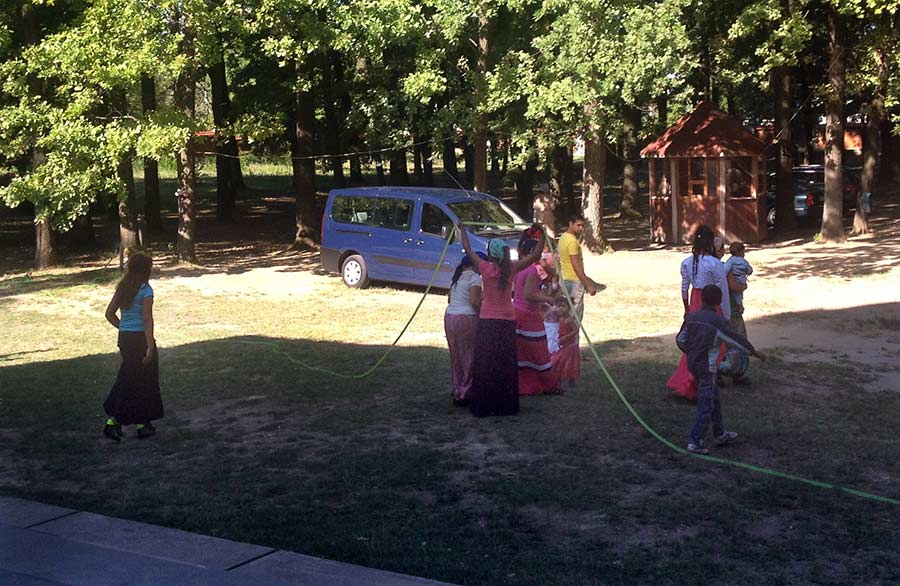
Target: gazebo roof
705	132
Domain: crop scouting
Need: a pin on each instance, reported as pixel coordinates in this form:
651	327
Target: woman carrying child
495	377
698	270
535	369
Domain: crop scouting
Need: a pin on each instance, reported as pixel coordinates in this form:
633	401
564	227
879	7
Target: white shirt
460	302
710	271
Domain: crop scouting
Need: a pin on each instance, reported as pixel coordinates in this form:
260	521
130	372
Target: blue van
397	234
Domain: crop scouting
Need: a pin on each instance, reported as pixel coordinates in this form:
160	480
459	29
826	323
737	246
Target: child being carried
738	266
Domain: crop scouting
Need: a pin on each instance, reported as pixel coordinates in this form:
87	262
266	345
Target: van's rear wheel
354	272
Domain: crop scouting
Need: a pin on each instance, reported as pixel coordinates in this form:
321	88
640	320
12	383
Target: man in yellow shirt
572	264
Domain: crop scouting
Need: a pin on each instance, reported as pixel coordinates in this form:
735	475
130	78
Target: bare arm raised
464	238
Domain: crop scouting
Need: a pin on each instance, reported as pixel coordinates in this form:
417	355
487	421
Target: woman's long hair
457	274
704	244
137	272
505	269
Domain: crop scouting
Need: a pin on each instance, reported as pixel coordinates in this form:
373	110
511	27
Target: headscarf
496	248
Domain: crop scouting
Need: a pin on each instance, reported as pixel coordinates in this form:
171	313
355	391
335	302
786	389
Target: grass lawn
385	472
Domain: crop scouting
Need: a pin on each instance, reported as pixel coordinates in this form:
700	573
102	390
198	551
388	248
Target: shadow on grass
385	472
47	281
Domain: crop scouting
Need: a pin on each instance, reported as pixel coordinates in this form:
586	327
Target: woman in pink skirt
460	322
533	357
567	359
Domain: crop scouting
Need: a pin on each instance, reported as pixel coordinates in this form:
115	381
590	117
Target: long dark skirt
495	373
134	397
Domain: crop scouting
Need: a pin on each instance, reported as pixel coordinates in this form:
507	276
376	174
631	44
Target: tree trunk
525	188
631	124
399	171
221	107
185	100
889	171
427	166
82	233
333	142
557	164
871	146
889	168
469	157
417	160
44	237
480	174
305	168
807	128
495	157
568	185
128	228
380	179
45	245
662	114
152	211
592	183
449	158
356	174
785	219
832	217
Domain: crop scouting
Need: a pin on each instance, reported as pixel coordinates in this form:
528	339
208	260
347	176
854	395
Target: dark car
809	193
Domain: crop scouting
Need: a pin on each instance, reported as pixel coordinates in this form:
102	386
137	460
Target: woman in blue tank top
134	398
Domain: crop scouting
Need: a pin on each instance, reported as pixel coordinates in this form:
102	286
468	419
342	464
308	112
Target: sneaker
726	438
697	449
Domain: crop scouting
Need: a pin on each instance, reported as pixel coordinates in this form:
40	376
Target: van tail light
810	200
322	229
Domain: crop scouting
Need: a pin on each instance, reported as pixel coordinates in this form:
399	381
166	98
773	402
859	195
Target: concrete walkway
43	545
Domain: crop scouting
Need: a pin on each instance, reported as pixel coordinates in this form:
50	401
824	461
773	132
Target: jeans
709	408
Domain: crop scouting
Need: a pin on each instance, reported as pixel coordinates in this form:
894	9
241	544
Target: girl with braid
460	320
701	268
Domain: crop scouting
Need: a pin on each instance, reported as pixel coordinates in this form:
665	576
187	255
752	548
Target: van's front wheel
354	272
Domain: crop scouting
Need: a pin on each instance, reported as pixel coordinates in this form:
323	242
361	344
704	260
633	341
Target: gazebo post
755	189
654	213
676	197
721	193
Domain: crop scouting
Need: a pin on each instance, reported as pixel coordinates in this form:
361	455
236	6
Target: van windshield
487	211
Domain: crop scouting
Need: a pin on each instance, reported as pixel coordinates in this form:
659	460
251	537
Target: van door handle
407	240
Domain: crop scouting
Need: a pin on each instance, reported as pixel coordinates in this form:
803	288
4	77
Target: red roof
705	132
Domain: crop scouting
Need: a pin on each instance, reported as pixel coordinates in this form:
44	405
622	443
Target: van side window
393	213
353	210
433	219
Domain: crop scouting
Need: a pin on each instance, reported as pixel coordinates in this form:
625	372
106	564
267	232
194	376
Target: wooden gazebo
707	169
